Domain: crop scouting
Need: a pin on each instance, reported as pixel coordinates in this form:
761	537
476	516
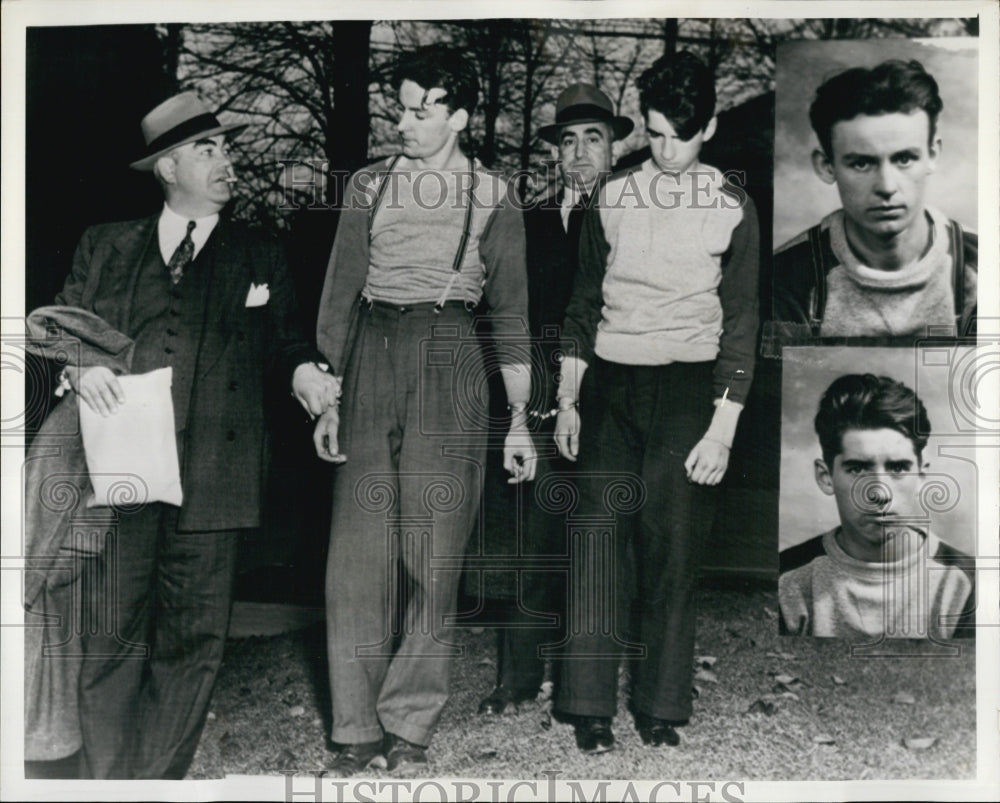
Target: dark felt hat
177	121
584	103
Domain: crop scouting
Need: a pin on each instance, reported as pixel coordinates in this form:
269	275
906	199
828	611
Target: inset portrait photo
877	510
875	190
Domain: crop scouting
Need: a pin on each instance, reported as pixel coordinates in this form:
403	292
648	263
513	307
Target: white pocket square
258	295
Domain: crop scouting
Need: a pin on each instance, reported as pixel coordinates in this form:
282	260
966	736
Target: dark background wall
87	89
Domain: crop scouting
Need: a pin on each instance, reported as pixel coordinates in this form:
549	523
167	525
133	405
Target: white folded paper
132	454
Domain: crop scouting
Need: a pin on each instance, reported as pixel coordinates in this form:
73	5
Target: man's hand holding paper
132	455
98	387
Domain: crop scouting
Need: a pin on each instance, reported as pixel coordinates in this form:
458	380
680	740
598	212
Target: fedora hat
177	121
584	103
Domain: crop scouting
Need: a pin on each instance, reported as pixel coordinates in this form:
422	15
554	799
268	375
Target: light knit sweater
862	300
666	236
835	595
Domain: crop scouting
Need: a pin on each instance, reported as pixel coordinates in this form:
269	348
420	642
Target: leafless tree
321	91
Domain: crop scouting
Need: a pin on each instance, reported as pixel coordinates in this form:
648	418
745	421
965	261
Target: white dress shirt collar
570	198
172	227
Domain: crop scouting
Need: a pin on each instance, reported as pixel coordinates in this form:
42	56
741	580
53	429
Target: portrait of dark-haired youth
877	518
875	177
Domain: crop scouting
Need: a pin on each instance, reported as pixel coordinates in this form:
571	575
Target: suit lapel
228	284
117	275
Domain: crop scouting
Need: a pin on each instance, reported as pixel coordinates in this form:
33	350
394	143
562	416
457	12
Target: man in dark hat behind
211	299
583	133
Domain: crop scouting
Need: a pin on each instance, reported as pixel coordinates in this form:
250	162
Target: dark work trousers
644	421
158	604
536	619
413	425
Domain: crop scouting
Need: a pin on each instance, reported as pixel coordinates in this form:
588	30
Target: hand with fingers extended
325	436
707	462
98	387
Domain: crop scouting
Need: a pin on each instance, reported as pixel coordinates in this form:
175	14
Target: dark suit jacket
551	261
221	423
551	266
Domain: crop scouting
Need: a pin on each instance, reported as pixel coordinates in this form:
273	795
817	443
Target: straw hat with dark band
177	121
584	103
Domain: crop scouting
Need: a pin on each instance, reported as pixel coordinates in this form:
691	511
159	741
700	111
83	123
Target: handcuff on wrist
565	405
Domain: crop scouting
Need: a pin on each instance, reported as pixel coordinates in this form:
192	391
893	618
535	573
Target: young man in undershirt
886	264
421	239
881	572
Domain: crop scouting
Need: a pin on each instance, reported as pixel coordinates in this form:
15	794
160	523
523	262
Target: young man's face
426	126
671	154
880	165
876	481
584	153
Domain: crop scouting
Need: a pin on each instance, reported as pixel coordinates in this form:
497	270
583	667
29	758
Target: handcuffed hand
314	389
567	434
707	463
325	436
519	456
98	387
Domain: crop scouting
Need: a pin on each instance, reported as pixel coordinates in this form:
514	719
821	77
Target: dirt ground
768	708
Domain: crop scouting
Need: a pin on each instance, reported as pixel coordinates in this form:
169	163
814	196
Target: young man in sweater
881	572
886	264
659	336
413	255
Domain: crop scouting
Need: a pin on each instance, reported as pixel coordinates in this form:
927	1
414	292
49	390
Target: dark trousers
158	604
639	421
404	505
535	626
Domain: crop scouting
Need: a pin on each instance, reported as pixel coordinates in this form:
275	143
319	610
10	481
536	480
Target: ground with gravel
768	708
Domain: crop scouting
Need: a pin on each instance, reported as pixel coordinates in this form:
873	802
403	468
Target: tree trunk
491	106
347	133
670	32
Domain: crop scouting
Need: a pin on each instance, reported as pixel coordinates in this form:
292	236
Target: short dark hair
681	88
866	401
444	67
892	86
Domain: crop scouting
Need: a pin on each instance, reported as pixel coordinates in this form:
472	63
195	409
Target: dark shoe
354	759
656	732
504	699
402	756
593	734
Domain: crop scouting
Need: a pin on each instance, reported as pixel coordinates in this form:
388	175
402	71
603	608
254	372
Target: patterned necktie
182	255
573	228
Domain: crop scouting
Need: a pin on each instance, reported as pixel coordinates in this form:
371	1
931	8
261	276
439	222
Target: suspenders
817	295
456	265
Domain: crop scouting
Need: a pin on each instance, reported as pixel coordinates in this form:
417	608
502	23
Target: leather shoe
656	732
356	758
593	734
504	699
403	756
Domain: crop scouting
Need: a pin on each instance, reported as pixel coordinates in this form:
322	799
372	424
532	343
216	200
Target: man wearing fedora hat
212	300
583	133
